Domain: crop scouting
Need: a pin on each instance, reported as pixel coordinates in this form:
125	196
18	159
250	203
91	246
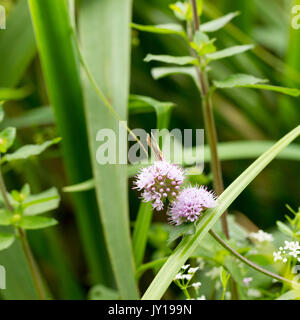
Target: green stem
25	246
32	265
210	124
250	263
186	293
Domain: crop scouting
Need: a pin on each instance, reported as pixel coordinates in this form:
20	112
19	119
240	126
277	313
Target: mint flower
159	182
190	204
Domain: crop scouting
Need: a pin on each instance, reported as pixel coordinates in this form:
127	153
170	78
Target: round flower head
160	181
190	203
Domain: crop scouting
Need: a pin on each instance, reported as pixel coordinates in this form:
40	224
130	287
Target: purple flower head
160	181
190	203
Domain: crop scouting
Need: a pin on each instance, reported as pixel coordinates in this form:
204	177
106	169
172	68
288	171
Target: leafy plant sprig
20	210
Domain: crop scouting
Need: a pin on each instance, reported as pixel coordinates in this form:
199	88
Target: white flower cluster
183	278
261	236
290	249
186	276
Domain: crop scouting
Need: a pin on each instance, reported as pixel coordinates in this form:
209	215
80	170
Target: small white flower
277	256
201	297
178	276
228	295
186	266
187	277
196	285
254	293
261	236
193	270
247	281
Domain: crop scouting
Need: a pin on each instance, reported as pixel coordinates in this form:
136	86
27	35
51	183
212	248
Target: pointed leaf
161	28
239	80
41	203
228	52
219	23
171	59
29	151
35	223
248	81
6	240
7	138
5	217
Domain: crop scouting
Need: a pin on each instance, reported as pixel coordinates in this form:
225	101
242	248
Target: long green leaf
187	246
60	67
105	38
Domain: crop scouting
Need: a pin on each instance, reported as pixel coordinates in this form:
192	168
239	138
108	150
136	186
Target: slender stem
32	265
250	263
25	245
210	124
186	293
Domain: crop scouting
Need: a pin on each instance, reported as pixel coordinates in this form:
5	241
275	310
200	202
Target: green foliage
101	59
161	29
202	44
29	151
100	292
52	24
247	81
6	240
181	61
183	10
181	230
229	52
7	138
219	23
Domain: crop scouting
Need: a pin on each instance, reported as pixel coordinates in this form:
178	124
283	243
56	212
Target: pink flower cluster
190	204
160	181
163	181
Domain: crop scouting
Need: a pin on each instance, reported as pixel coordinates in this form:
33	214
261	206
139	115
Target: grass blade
104	30
52	25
